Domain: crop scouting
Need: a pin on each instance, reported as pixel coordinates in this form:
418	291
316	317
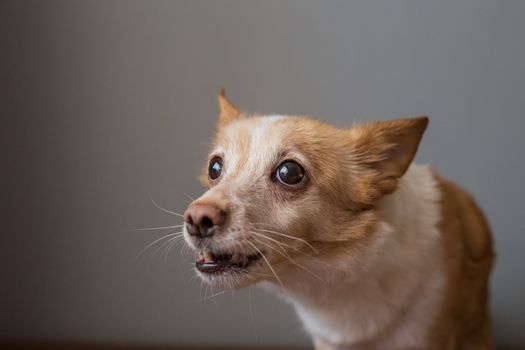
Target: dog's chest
372	320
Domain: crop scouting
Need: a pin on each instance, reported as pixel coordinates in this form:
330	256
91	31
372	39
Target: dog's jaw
227	265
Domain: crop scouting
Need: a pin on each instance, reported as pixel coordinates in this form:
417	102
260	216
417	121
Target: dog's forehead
250	145
254	141
258	133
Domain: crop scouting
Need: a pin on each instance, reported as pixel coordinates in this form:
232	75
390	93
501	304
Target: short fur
373	252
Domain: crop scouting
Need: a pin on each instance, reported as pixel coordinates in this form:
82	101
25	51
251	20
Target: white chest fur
396	294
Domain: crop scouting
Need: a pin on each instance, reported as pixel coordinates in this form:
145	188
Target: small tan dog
373	252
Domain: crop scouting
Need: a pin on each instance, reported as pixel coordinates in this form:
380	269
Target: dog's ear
384	151
227	110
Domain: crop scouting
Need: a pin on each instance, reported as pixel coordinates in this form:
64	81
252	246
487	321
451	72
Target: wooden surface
48	345
25	345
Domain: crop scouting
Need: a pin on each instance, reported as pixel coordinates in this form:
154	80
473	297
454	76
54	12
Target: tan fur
464	322
345	247
227	110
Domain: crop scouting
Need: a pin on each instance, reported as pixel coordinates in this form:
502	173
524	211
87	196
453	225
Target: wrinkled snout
204	219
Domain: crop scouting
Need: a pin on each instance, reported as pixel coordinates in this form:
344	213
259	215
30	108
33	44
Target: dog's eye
215	168
290	173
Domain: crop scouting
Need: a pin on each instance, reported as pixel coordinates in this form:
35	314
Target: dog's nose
203	219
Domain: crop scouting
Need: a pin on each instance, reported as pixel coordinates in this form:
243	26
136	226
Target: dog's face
287	192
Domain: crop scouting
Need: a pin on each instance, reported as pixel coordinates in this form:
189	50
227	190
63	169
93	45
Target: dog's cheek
271	208
252	208
296	218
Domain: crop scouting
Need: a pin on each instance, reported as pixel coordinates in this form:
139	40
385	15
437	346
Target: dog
373	252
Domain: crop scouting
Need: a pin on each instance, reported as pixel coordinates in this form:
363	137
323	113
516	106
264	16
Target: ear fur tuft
385	150
227	110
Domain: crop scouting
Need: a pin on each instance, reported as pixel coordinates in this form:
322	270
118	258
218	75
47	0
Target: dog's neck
390	291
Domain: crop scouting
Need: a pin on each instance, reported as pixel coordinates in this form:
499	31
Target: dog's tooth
208	256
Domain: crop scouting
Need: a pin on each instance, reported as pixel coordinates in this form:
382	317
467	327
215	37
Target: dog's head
286	192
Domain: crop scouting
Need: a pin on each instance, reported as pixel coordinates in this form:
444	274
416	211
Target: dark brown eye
290	173
215	168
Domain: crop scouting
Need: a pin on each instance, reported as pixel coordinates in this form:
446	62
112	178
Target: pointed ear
227	111
386	149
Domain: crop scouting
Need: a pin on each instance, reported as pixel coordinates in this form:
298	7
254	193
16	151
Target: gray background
104	103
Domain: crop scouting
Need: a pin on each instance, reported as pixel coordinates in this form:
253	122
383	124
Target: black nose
203	219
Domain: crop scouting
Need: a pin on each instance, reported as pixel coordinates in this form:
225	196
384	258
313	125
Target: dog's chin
228	281
228	270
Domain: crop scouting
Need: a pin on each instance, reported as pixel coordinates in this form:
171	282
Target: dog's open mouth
217	263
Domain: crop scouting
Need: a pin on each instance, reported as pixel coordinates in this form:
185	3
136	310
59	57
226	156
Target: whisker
233	292
190	197
173	241
267	262
185	250
291	260
281	244
162	245
200	287
206	289
157	228
194	277
284	251
164	209
291	237
274	240
157	240
212	296
285	254
294	248
262	274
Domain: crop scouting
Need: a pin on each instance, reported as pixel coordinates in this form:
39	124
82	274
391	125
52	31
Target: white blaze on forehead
264	142
257	151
